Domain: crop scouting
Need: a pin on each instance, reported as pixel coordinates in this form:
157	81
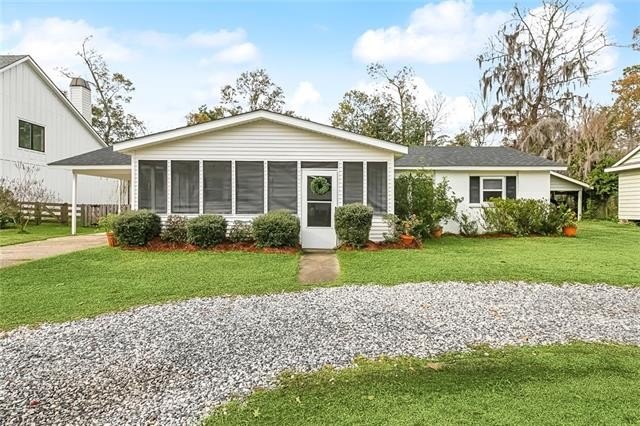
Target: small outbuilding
628	170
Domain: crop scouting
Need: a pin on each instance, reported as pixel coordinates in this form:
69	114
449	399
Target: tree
626	107
368	115
591	142
534	65
251	91
114	91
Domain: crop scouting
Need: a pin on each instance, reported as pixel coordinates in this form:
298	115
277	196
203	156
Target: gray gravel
170	364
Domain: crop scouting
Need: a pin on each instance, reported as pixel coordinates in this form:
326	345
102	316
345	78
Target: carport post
74	191
580	204
119	196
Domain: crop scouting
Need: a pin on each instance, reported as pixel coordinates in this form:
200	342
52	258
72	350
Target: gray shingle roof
99	157
6	60
463	156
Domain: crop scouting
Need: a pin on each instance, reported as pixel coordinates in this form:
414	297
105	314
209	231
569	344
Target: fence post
64	213
37	213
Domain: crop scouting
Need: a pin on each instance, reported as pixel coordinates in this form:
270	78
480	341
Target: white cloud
304	95
237	54
437	33
217	38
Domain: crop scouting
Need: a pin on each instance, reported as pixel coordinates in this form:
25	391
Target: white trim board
625	158
614	169
487	168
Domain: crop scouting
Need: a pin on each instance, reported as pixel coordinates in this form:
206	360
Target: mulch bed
382	245
157	245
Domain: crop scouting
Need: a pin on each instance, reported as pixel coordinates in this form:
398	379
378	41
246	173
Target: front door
318	206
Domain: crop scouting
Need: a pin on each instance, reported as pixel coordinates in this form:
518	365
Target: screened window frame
31	133
360	186
241	191
153	208
386	187
193	210
272	187
227	209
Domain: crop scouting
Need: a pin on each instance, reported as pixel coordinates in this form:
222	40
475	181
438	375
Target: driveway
25	252
170	364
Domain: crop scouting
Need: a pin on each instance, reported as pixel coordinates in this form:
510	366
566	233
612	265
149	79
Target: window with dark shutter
352	182
377	186
474	189
511	187
216	176
283	186
152	186
249	187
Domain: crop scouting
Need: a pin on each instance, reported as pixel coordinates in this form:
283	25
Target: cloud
237	54
305	94
437	33
217	38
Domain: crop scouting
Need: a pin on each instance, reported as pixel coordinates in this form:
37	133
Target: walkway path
318	267
168	364
25	252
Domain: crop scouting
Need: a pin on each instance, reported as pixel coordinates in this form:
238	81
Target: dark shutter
474	189
377	186
352	182
249	187
152	185
283	186
511	187
216	176
319	165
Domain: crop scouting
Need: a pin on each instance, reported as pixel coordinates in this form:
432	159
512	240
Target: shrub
353	223
9	207
522	217
136	227
206	230
175	229
394	225
468	226
278	228
241	232
106	223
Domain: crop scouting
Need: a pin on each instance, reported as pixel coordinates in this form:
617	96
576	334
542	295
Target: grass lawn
577	384
100	280
602	252
44	231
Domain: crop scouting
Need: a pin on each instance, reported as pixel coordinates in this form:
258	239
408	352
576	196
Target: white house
39	125
628	170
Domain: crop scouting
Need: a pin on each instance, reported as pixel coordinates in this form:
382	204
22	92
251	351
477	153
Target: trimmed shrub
175	229
136	227
468	226
241	232
353	223
278	228
522	217
206	230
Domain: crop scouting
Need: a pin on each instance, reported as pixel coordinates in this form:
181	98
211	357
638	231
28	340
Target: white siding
27	97
558	184
267	141
629	195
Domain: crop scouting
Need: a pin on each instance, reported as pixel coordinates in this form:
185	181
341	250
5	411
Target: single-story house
628	170
248	164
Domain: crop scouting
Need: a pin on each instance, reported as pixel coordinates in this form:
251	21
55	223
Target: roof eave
626	157
484	168
623	168
571	180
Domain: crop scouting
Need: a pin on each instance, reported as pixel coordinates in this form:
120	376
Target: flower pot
569	231
111	239
436	233
407	240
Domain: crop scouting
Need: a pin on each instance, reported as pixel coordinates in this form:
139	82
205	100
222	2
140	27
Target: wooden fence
87	214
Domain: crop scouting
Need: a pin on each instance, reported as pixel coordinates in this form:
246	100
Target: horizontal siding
558	184
629	195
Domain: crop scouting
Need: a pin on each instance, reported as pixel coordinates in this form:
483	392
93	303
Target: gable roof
9	61
100	157
625	164
465	157
571	180
248	117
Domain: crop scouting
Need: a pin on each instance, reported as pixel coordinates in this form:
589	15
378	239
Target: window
185	187
319	206
283	186
485	188
249	187
216	176
319	165
492	188
30	136
152	185
352	182
377	186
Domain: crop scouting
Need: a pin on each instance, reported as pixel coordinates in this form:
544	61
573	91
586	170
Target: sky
179	54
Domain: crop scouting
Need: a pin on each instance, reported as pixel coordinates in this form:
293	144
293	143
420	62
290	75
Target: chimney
80	96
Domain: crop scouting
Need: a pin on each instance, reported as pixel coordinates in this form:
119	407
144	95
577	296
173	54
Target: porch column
119	196
74	203
580	204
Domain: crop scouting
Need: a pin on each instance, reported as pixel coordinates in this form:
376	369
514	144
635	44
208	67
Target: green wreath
320	185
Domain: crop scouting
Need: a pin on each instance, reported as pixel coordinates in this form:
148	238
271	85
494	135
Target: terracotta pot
111	239
407	240
436	233
569	231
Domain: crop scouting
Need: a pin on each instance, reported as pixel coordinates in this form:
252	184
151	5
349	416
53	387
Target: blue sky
179	54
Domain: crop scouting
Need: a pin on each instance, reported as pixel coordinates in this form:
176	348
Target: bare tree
436	114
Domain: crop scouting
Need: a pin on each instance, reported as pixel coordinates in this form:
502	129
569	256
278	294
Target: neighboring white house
628	170
39	125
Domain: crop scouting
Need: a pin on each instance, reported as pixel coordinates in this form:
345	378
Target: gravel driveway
169	364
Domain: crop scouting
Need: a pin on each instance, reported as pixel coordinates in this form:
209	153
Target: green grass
44	231
578	384
100	280
602	252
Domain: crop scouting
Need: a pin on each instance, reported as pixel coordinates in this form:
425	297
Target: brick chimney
80	96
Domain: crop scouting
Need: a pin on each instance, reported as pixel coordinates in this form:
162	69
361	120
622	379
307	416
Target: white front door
317	227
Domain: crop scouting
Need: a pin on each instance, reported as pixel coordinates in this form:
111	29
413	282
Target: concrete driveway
26	252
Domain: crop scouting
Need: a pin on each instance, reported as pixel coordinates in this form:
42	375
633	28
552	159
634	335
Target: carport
569	191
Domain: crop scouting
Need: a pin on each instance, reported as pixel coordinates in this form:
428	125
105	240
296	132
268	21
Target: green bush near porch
136	227
278	228
353	224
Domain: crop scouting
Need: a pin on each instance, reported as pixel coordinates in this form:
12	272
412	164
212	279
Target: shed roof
100	157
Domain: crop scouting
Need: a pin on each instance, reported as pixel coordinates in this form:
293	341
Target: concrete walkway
26	252
318	267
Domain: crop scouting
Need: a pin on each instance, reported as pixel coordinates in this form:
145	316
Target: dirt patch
382	245
158	245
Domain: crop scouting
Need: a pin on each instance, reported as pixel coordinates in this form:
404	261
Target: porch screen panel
377	186
185	187
352	182
249	187
283	186
152	185
216	176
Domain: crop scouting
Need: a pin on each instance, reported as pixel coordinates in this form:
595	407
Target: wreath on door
320	185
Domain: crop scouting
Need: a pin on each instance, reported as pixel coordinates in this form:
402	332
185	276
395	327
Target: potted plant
436	232
105	223
408	228
569	223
